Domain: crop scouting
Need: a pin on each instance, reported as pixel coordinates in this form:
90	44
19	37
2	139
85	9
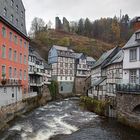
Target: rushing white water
62	117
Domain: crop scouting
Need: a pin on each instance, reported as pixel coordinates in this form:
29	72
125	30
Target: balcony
128	88
10	82
38	84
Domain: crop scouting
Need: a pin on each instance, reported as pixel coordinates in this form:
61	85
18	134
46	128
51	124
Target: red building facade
14	45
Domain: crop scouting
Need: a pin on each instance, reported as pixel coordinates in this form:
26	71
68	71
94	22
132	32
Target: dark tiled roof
117	58
47	66
98	82
32	52
62	48
103	58
90	59
132	41
78	55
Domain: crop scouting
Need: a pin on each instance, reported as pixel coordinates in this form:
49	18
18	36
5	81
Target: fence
129	88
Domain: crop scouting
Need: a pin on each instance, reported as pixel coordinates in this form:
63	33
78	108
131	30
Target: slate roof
103	58
62	48
47	66
117	58
98	82
78	55
90	59
132	42
38	55
32	52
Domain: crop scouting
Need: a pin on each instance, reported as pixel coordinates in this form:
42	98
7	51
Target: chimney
136	23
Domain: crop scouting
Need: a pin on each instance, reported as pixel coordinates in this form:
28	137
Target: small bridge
128	108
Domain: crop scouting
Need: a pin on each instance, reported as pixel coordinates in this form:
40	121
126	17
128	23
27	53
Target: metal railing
129	88
10	82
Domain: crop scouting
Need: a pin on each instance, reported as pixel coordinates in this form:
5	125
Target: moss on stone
93	105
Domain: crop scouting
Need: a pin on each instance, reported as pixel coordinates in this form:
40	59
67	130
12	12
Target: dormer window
12	3
138	36
16	22
22	27
17	8
12	18
5	12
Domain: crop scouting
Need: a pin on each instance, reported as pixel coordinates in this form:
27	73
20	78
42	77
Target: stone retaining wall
9	112
126	102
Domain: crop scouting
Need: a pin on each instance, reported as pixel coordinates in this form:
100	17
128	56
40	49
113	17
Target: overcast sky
75	9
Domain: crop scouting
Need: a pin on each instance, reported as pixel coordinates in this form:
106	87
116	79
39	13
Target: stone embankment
9	112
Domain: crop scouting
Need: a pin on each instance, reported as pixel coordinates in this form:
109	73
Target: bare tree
37	26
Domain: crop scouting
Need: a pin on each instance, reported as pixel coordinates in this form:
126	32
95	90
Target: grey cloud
75	9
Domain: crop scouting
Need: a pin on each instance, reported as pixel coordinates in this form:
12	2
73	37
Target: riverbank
93	105
102	109
65	120
10	112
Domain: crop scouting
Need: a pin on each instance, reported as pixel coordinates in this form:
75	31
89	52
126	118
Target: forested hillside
45	39
91	37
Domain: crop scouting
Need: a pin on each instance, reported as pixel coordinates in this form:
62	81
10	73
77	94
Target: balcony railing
8	82
128	88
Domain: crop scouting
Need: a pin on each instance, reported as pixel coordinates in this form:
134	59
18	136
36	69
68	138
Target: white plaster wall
64	80
6	98
131	65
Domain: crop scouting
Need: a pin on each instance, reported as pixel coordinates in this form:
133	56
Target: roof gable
104	58
132	42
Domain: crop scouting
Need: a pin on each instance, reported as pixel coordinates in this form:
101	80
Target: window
15	73
12	18
25	75
15	56
10	36
4	90
70	71
10	54
21	42
21	14
133	76
17	8
61	71
137	36
3	51
16	22
15	39
24	44
61	88
66	78
24	59
133	54
12	95
3	32
3	71
12	3
22	27
66	71
10	72
20	59
5	12
20	74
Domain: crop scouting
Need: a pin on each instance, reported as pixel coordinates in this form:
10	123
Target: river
65	120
